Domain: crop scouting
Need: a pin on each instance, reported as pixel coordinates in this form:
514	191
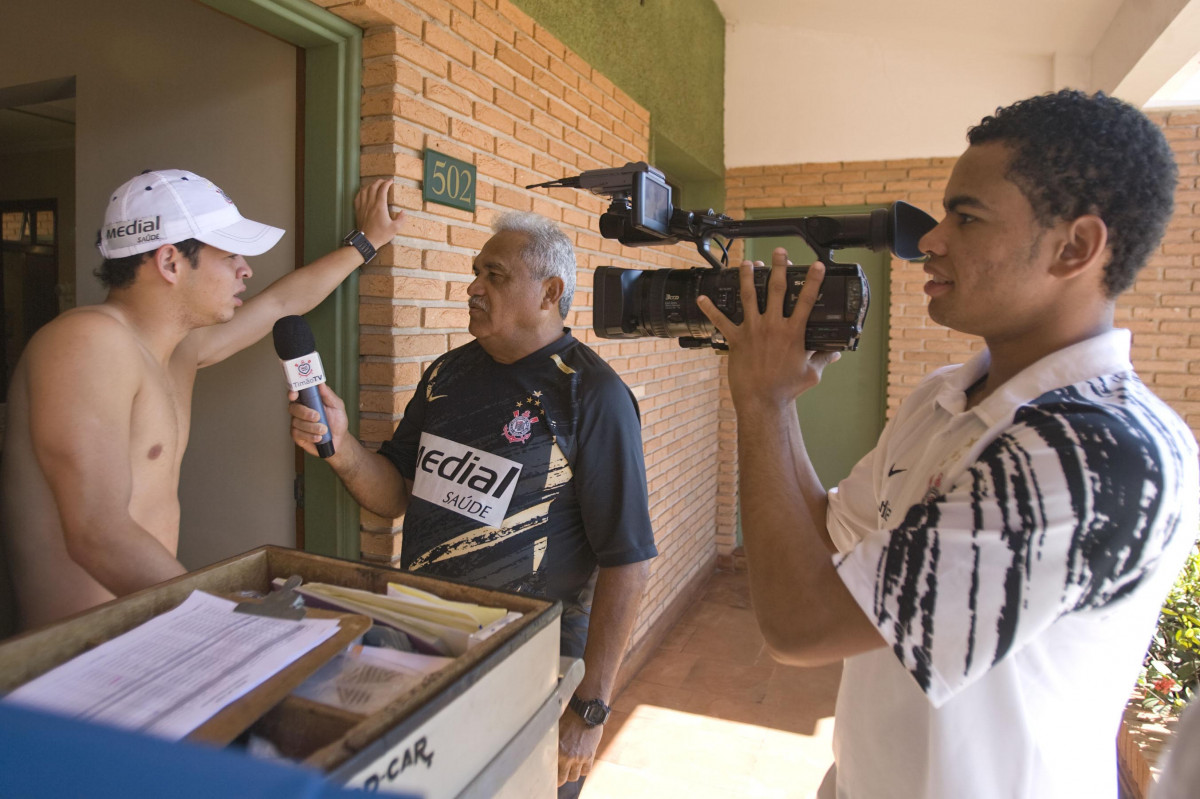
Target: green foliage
1171	672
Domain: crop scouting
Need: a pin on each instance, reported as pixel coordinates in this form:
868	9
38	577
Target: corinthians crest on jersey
519	428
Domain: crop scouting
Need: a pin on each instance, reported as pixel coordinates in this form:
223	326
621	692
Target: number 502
459	181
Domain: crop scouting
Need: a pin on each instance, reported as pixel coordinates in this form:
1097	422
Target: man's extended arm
615	604
301	290
371	479
806	613
80	418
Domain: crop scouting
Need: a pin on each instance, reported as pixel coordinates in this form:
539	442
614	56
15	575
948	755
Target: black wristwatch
593	712
358	240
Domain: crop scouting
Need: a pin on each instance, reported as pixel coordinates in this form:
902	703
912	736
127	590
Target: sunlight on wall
1182	90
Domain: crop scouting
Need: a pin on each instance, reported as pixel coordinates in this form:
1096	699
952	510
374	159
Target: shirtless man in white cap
100	403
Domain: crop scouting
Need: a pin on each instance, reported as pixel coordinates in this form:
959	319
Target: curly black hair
118	273
1075	154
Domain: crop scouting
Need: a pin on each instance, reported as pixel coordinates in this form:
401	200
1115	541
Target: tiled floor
712	715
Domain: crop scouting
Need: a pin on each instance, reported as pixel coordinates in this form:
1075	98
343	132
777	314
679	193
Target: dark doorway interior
37	234
28	288
37	193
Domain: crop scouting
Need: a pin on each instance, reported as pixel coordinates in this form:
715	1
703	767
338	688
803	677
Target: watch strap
359	241
593	711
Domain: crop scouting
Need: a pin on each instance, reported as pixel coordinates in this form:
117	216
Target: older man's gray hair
547	252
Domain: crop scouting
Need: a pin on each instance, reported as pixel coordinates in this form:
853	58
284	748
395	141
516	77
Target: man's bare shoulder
89	320
92	334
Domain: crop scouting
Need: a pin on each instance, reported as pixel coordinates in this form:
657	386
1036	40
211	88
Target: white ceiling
866	80
1024	27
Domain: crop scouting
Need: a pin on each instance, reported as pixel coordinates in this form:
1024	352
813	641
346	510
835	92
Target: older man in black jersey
518	465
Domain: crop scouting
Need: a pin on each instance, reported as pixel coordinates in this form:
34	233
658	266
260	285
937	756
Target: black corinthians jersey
526	476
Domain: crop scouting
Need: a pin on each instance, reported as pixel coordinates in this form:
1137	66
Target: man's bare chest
159	421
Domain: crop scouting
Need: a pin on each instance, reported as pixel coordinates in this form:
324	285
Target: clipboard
238	716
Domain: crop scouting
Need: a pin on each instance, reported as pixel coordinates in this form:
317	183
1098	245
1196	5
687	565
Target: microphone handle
311	398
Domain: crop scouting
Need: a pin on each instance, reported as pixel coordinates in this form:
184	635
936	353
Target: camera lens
632	303
661	318
669	303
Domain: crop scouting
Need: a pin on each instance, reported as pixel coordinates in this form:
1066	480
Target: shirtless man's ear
168	260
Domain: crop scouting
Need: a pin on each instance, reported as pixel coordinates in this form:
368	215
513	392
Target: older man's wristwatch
358	240
593	711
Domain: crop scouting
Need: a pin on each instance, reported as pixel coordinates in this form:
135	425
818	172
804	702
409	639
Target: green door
841	418
332	50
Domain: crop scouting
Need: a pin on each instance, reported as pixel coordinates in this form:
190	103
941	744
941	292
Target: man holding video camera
991	572
518	465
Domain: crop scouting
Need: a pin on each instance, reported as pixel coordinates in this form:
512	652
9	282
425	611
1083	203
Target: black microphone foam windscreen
293	338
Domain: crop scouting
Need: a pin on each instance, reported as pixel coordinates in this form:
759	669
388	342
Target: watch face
594	713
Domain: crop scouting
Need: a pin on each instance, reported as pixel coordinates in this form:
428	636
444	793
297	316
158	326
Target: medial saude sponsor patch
465	480
134	231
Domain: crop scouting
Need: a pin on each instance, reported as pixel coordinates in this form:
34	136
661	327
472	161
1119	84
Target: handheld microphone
297	349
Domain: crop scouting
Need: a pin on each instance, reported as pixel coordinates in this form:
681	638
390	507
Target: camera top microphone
618	180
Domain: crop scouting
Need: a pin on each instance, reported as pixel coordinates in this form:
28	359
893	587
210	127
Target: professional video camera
632	303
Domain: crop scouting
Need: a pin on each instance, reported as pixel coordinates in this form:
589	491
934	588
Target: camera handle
897	228
746	230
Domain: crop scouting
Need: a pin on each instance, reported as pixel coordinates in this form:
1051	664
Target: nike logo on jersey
892	472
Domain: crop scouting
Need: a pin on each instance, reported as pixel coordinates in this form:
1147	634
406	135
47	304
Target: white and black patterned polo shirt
1014	556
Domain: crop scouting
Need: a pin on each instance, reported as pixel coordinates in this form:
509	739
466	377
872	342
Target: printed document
176	671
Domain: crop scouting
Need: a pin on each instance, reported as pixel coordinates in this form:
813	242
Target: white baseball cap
169	205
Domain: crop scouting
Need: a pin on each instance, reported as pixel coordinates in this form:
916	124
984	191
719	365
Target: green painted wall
669	56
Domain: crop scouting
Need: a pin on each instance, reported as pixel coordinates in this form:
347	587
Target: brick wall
482	82
916	345
1162	309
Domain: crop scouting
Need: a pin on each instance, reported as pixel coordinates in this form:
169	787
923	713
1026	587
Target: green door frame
332	95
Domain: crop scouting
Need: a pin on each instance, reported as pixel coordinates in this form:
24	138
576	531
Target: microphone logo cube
304	372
